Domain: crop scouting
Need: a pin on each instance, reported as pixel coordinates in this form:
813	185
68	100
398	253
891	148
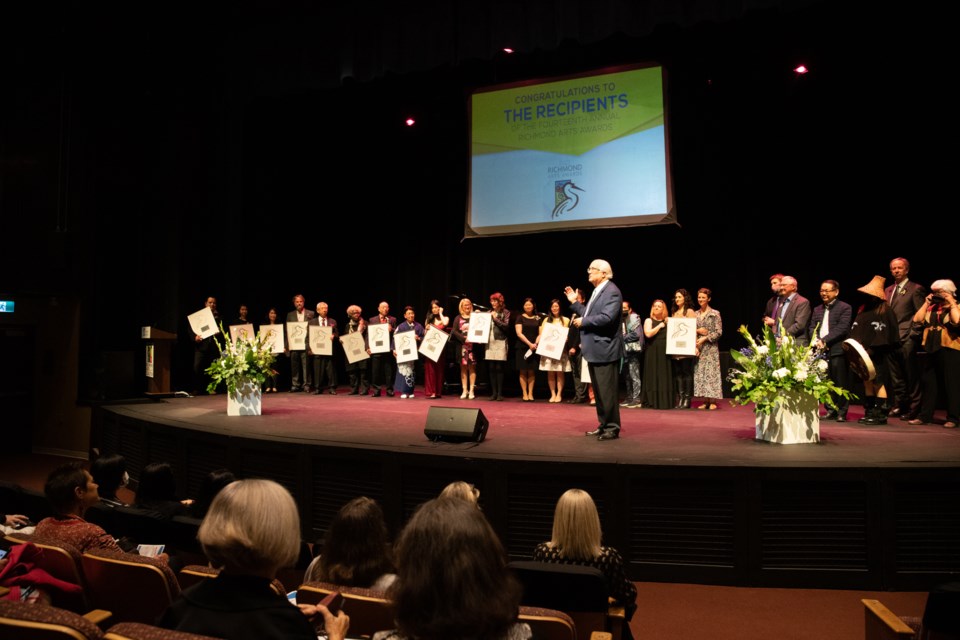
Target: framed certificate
244	331
479	330
405	344
433	343
297	336
378	337
553	340
272	335
321	340
203	323
353	347
681	336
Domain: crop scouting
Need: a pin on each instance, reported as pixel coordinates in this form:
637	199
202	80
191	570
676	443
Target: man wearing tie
383	365
772	310
905	297
323	367
794	312
601	343
829	327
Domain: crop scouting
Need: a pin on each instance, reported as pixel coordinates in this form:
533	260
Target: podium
158	347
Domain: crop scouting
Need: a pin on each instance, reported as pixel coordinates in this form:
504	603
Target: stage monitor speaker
455	424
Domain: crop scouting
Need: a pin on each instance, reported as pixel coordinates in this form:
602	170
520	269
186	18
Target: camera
937	299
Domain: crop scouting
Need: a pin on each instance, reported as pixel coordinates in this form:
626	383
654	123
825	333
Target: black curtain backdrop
152	154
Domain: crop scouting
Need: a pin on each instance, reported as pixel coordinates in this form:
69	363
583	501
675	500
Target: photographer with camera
939	318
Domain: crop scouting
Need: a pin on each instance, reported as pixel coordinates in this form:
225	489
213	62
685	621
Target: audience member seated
70	490
250	532
16	523
462	490
210	486
157	491
109	472
452	579
577	540
356	550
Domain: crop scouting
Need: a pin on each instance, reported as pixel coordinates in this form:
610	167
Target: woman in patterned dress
707	378
577	540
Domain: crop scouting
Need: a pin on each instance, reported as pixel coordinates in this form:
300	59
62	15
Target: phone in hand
333	602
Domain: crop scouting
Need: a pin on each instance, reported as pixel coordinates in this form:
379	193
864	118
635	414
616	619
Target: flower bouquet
775	374
243	366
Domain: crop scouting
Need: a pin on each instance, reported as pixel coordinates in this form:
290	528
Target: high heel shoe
470	395
463	396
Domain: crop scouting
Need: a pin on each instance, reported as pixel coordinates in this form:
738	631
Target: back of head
576	526
60	487
356	549
453	580
463	491
157	483
252	527
108	472
210	486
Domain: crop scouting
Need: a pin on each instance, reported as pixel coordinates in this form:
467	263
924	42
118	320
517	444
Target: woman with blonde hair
577	539
657	389
556	369
462	491
465	349
251	531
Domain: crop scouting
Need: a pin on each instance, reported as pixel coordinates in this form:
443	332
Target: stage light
410	122
507	50
800	70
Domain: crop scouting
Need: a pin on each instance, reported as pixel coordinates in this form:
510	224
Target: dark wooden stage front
684	495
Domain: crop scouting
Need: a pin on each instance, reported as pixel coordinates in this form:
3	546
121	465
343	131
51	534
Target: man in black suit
905	297
323	367
772	310
384	365
829	327
300	373
794	311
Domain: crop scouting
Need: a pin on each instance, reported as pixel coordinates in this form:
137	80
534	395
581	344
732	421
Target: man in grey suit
905	297
794	312
601	344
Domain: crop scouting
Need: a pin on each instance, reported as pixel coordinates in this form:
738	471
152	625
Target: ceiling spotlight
410	122
800	70
507	50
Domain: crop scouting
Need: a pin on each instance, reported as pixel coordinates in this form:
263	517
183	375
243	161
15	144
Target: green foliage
768	367
241	360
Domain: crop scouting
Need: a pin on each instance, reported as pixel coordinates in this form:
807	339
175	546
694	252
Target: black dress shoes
577	401
610	434
332	392
829	415
896	411
596	432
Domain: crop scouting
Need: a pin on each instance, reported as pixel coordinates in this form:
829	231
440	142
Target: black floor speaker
455	424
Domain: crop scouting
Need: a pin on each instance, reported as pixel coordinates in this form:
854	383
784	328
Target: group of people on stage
892	324
887	332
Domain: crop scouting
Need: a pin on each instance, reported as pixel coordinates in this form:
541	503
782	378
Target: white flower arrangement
241	360
768	367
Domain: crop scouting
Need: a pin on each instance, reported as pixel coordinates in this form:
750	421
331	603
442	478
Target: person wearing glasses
829	327
601	343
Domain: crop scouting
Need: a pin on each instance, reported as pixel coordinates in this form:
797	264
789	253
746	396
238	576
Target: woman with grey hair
940	319
251	531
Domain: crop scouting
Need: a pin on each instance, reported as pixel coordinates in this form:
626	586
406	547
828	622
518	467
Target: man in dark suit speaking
601	344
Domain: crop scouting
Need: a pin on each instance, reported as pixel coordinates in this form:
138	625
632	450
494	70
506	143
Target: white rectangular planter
795	420
246	401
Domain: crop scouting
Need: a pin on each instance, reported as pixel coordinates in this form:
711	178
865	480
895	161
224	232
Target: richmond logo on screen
565	197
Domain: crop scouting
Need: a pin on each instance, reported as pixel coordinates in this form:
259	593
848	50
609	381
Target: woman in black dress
528	332
657	390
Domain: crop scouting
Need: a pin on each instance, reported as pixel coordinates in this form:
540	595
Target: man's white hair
603	266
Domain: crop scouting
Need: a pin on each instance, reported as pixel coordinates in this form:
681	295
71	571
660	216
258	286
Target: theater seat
580	592
369	610
549	624
133	587
141	631
42	622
